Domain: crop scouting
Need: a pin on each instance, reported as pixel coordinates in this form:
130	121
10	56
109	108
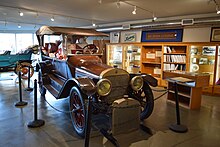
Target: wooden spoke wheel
78	108
23	67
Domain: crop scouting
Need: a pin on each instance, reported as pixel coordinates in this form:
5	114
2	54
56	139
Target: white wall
197	34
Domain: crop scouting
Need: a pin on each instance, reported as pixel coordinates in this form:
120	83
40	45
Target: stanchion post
88	123
29	77
36	122
21	102
177	127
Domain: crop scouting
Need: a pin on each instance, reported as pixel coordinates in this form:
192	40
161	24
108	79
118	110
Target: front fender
86	85
150	80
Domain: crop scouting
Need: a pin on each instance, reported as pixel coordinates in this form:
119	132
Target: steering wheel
90	49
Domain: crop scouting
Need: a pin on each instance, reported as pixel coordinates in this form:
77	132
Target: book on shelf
167	49
175	58
174	67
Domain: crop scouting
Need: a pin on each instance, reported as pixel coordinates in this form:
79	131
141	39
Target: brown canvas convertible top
51	30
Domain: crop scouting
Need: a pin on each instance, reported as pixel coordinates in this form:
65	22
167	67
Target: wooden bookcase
158	57
154	58
151	60
175	57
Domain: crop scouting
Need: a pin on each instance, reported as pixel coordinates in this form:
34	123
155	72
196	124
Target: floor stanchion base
178	128
36	123
21	103
28	89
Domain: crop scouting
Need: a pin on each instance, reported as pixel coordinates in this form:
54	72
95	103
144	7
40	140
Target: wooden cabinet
154	58
151	60
189	87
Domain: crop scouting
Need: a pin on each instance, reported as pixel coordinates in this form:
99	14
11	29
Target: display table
189	87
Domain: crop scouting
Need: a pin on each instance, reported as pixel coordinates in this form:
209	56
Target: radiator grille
119	83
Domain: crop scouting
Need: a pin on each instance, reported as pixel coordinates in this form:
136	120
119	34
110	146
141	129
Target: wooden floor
203	124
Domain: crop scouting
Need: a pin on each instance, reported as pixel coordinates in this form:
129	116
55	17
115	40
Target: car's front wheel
146	99
78	111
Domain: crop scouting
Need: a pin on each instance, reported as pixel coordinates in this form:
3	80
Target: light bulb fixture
93	24
52	18
99	1
134	11
37	14
21	13
118	4
217	9
154	17
19	26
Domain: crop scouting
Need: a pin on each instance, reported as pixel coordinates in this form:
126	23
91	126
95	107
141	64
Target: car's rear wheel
146	99
78	111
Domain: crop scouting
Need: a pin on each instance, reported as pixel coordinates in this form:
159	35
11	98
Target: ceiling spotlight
154	17
52	18
118	4
19	26
21	13
100	1
134	11
93	24
217	9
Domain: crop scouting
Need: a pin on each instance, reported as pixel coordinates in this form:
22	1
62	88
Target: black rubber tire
78	118
148	98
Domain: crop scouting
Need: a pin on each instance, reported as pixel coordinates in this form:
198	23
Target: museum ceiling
104	13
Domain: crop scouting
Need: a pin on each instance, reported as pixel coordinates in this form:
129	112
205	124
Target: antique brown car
81	76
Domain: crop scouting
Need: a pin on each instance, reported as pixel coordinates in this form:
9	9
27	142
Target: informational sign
172	35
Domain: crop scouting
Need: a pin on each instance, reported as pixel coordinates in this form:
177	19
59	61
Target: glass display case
217	78
202	60
217	74
114	55
125	56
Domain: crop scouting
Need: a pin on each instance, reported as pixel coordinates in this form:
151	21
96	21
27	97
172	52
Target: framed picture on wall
130	37
215	34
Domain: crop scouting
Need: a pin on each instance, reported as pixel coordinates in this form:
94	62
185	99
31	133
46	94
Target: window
23	41
7	42
16	42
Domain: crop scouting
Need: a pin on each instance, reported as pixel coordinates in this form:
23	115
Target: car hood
89	63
